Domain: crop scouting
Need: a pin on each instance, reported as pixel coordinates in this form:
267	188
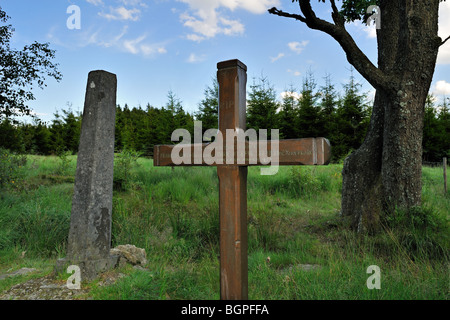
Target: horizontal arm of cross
307	151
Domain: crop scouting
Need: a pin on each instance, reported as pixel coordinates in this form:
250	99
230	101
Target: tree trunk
385	172
361	189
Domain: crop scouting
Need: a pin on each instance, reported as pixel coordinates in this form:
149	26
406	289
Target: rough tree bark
385	172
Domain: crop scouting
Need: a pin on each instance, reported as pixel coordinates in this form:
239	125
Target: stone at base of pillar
90	269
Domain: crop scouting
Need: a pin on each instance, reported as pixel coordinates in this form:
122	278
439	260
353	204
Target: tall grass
293	221
37	222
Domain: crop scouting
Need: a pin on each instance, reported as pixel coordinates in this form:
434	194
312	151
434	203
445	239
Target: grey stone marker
89	240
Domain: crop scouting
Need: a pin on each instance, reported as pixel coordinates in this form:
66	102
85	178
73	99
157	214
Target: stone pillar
89	240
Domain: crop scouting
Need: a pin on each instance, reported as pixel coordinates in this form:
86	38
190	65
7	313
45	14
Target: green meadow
299	248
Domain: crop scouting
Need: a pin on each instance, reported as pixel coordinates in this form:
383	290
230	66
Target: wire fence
432	164
443	164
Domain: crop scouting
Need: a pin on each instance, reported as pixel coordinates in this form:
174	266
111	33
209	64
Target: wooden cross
232	79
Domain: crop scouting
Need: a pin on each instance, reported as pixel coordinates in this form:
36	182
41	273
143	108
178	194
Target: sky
157	46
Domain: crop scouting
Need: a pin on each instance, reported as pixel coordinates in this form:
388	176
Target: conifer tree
262	106
309	122
352	119
329	100
208	107
288	114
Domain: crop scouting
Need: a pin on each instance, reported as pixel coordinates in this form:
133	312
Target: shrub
123	164
11	168
303	182
421	231
417	218
63	165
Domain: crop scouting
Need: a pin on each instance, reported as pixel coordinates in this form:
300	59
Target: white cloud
232	27
294	72
161	50
132	46
147	49
371	31
120	41
444	32
205	18
112	42
95	2
210	26
298	47
193	58
121	13
357	28
294	95
128	14
128	3
137	46
279	56
206	28
442	87
253	6
134	3
195	37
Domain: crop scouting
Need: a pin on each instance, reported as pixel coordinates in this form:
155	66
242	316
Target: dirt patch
49	288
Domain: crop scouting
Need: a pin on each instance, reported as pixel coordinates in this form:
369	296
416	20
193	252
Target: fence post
445	174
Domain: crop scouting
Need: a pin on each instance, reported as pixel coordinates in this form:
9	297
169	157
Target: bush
417	218
303	182
123	164
64	164
421	231
11	168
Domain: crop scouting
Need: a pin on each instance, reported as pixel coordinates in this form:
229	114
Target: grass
293	221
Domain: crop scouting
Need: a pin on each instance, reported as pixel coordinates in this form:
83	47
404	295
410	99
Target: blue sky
154	46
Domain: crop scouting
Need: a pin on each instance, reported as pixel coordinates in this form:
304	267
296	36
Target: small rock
130	254
17	273
140	268
308	267
49	286
303	267
45	288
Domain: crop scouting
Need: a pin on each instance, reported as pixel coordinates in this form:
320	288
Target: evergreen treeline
341	116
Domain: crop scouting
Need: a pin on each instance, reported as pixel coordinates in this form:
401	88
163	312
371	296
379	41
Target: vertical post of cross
232	79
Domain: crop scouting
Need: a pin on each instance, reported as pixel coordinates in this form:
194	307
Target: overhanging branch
444	41
280	13
337	17
337	30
